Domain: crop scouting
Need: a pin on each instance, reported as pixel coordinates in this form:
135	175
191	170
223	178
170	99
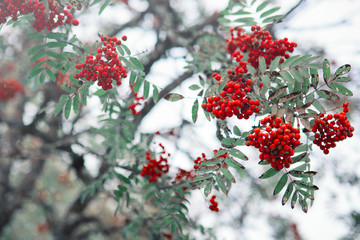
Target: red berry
75	22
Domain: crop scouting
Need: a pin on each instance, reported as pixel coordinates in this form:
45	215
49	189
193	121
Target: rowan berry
214	204
275	140
50	20
154	168
331	129
124	38
9	88
258	44
234	99
104	67
138	101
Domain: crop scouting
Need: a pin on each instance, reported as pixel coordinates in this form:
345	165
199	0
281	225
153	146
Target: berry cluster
276	141
137	102
104	66
233	99
9	88
56	16
258	43
155	168
214	204
331	129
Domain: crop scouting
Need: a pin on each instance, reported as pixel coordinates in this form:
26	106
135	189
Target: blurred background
46	161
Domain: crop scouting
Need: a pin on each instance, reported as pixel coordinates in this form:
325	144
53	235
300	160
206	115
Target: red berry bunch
258	43
331	129
104	66
137	102
276	141
214	204
56	16
9	88
234	99
155	168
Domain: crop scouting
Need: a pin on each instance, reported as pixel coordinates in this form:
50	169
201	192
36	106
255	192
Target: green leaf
326	70
273	18
297	76
68	109
127	50
226	142
277	93
281	184
202	177
56	35
100	92
269	12
137	63
83	197
306	185
128	63
262	6
146	89
221	184
269	173
76	104
303	205
122	178
138	83
50	74
238	154
35	49
56	55
194	87
275	63
60	104
212	161
289	61
42	78
287	193
102	8
208	188
56	44
95	2
155	93
301	148
35	35
221	86
318	106
236	131
234	164
302	174
68	90
294	199
220	152
328	95
35	72
36	57
287	77
173	97
341	89
344	69
342	79
194	110
262	64
223	20
228	174
132	77
314	77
